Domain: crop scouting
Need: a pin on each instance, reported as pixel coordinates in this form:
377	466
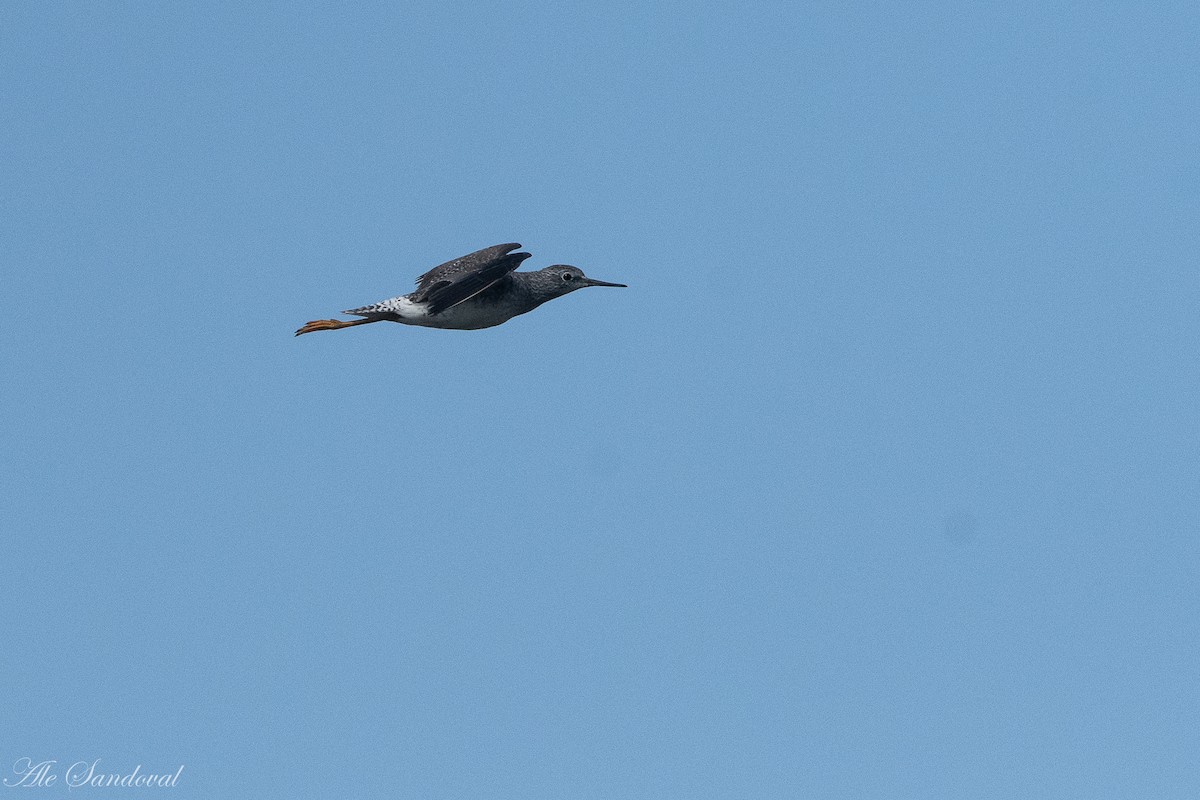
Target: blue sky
880	480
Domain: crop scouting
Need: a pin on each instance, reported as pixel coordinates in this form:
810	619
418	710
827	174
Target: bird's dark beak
594	282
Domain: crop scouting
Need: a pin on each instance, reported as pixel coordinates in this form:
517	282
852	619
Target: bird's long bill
594	282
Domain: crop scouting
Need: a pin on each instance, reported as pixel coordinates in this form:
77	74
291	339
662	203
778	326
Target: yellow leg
331	324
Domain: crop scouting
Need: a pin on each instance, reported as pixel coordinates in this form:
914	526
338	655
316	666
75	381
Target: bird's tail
333	324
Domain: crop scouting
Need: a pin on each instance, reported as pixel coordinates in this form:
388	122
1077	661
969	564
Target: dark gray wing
451	283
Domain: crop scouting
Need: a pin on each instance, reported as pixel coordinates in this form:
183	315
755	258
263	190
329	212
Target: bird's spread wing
451	283
468	263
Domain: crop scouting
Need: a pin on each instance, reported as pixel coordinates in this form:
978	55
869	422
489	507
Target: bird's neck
538	286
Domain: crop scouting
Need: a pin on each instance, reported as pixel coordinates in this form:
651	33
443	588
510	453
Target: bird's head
562	279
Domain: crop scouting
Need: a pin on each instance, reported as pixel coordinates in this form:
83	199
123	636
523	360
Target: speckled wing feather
467	263
455	281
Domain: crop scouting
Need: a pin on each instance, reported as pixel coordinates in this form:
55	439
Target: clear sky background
880	480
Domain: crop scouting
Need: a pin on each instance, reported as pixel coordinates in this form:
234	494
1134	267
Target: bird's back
472	262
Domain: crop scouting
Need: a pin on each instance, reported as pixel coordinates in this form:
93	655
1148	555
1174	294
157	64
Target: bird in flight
479	290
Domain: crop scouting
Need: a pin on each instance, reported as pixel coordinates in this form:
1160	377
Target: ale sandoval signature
27	772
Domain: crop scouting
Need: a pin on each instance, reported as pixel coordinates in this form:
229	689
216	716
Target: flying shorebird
479	290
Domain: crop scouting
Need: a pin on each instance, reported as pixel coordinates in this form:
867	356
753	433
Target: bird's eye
566	276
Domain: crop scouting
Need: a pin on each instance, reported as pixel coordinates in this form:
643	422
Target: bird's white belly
467	316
